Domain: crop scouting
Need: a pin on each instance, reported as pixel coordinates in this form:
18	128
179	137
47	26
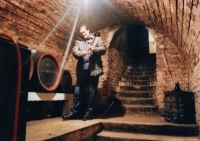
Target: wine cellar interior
150	89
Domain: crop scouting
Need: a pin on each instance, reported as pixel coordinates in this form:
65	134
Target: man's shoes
70	116
87	117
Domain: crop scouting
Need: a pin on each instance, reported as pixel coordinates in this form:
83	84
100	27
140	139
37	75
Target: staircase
136	89
135	103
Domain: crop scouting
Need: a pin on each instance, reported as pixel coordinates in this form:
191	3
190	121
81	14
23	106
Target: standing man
88	50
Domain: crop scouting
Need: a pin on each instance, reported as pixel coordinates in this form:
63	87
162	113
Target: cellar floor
47	129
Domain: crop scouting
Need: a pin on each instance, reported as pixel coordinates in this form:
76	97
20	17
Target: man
87	50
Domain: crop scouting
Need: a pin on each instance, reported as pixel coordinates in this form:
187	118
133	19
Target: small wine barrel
65	82
45	73
179	107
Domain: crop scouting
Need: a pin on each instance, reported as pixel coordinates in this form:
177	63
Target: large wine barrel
13	93
45	76
65	82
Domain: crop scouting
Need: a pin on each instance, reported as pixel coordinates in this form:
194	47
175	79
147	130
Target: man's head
84	31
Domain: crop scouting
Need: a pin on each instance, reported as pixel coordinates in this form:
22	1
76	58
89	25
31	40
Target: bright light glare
70	40
33	51
58	22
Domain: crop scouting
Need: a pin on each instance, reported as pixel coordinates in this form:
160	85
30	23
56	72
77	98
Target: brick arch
127	41
176	20
32	21
168	72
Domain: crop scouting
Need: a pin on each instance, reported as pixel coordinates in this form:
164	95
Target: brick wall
170	68
194	86
117	58
191	58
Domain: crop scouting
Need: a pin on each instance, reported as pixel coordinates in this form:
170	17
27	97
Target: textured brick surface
170	68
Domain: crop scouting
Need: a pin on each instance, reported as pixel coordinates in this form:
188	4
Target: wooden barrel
45	75
65	82
13	89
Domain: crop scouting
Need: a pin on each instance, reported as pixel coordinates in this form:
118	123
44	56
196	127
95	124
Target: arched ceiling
52	21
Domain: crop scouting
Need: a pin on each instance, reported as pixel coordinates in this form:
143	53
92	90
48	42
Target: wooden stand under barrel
179	106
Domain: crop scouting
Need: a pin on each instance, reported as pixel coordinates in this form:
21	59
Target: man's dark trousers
84	83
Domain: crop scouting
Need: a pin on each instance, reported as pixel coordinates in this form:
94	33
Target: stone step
135	101
137	88
121	136
153	129
139	70
137	82
139	62
140	55
150	61
139	94
141	73
132	109
144	57
140	77
141	66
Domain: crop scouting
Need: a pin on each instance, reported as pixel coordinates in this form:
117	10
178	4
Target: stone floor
47	129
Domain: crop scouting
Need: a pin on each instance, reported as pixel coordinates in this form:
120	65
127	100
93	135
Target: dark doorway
138	41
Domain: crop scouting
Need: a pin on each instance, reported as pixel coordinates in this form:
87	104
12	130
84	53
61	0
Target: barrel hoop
57	71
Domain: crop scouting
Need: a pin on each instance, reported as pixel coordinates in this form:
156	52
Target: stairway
137	87
135	103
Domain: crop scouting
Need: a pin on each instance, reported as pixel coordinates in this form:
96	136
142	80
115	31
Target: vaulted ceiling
52	22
